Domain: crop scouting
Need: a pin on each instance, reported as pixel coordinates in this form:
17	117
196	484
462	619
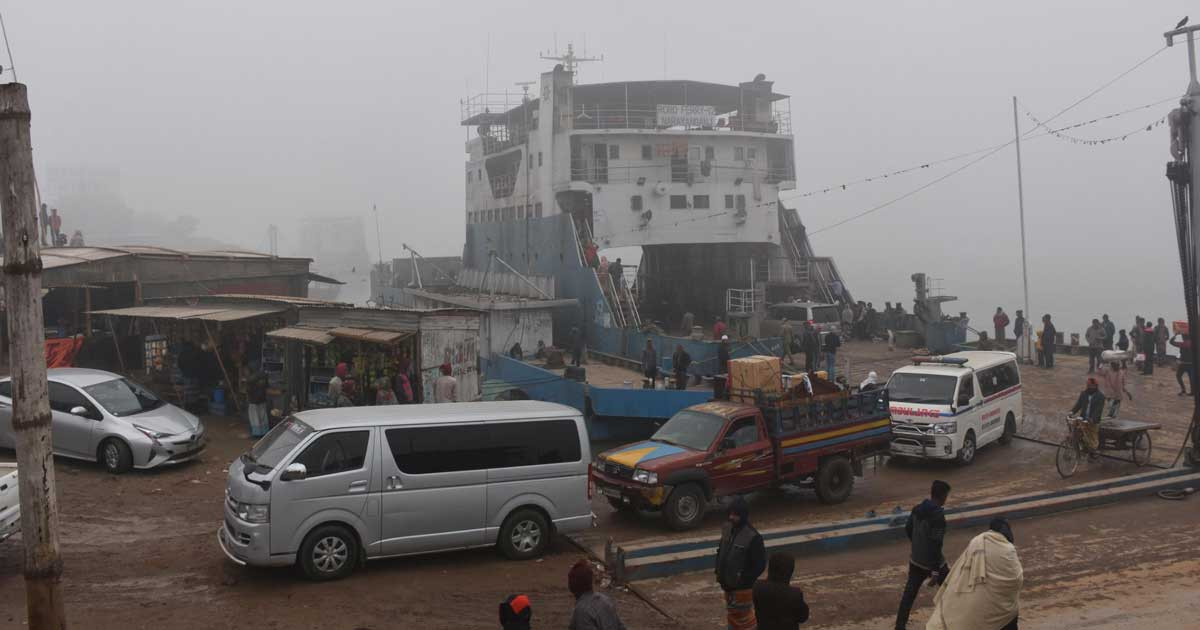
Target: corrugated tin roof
53	257
307	335
281	299
372	335
210	313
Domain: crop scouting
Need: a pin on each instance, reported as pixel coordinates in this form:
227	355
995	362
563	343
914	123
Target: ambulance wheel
966	454
835	480
1010	430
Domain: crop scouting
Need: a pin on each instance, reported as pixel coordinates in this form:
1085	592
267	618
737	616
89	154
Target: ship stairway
817	272
620	299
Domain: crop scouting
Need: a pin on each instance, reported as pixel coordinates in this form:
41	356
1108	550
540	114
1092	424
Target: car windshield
927	389
690	429
276	444
826	314
121	397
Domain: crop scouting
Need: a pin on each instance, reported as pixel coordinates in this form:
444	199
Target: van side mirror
294	472
79	410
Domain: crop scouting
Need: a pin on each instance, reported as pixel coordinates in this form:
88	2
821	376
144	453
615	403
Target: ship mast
570	61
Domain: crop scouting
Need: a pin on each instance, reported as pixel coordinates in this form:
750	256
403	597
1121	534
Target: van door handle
359	486
393	483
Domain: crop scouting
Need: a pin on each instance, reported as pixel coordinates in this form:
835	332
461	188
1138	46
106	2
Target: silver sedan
106	418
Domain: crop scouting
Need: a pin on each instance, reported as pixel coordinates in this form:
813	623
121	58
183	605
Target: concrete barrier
651	560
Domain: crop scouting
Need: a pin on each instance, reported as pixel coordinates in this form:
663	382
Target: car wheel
685	507
524	535
835	480
1010	430
115	456
328	552
966	454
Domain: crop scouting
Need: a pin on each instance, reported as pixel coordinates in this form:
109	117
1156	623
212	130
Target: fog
221	118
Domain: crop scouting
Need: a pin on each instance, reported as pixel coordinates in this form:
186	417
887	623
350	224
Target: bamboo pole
30	399
221	362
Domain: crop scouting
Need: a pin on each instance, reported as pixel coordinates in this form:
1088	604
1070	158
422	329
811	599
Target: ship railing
594	116
744	300
714	172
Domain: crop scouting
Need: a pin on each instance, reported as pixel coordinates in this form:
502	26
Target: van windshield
275	445
690	429
925	389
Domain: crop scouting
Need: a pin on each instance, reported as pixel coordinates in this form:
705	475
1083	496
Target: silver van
328	488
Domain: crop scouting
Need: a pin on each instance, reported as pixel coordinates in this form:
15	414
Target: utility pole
1024	338
30	400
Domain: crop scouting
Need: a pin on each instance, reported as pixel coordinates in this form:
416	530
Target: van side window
990	380
6	389
335	453
744	432
533	443
966	390
429	450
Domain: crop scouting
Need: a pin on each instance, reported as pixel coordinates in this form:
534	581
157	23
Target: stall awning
210	313
316	277
307	335
372	335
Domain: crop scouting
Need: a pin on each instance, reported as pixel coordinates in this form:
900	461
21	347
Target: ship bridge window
647	152
700	202
539	159
614	151
635	203
739	153
679	202
741	202
729	202
709	153
469	175
751	153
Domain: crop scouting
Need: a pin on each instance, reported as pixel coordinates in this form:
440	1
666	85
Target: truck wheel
1010	430
966	454
524	535
329	552
835	480
685	507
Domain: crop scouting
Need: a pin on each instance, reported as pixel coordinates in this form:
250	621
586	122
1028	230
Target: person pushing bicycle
1089	407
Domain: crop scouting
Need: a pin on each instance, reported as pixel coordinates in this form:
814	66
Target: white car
10	501
946	407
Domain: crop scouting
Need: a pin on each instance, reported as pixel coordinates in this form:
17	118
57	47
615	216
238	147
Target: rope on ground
1173	494
1115	459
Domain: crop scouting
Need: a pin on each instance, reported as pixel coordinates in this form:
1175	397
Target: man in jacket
830	348
1089	406
1185	364
1110	331
777	604
810	343
1161	335
789	339
1094	336
593	611
926	528
1000	323
650	363
1019	326
741	558
680	361
256	397
1148	345
1049	340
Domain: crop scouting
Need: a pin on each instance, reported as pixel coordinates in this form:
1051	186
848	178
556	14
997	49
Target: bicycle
1072	449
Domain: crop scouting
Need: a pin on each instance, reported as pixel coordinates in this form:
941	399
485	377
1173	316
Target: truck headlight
253	512
645	476
943	428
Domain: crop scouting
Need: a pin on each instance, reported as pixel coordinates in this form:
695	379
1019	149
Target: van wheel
115	456
835	480
1010	430
328	552
685	507
524	535
966	454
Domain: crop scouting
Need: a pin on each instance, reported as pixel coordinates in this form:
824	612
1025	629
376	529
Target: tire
524	535
1010	430
115	456
619	505
966	454
329	552
1141	448
835	480
1067	458
685	507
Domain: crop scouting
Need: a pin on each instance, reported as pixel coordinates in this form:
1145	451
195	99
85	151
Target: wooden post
221	362
30	399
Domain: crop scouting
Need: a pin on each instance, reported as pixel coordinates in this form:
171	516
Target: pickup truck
10	501
722	448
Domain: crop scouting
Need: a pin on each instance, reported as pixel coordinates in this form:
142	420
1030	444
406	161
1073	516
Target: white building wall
526	327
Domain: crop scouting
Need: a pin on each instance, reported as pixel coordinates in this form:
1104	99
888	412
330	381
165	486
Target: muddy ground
140	550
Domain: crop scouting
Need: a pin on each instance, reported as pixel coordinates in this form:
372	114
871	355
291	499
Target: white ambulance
946	407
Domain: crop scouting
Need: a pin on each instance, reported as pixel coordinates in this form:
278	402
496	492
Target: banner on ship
686	115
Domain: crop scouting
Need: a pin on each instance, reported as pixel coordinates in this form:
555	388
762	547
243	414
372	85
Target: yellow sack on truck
751	374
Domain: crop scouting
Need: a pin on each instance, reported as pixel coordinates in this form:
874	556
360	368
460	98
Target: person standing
1135	334
983	588
1112	385
402	387
1019	332
44	226
1185	364
590	256
384	393
926	528
55	227
831	345
719	328
256	399
1089	406
1110	331
837	290
1000	323
445	388
741	558
789	339
811	344
593	611
340	374
1094	336
577	346
1148	345
777	604
1161	335
870	321
723	355
616	271
650	362
847	320
345	397
1049	340
680	361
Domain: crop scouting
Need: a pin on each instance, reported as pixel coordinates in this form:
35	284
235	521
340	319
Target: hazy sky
247	113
